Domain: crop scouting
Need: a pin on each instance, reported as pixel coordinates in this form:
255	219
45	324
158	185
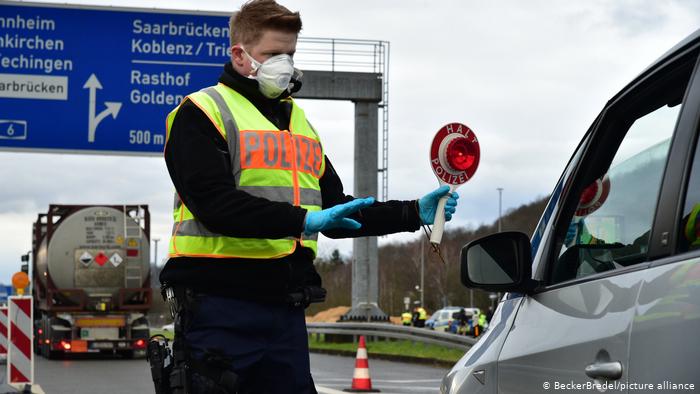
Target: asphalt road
84	374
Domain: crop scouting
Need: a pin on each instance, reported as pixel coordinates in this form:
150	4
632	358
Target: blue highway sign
101	79
5	291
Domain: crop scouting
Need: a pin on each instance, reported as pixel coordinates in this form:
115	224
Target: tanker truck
91	279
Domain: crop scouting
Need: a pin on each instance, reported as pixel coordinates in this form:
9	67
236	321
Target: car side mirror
498	262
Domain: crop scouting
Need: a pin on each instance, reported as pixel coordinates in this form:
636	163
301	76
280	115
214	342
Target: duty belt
176	297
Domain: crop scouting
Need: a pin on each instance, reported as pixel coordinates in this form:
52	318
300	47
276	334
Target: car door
573	332
664	343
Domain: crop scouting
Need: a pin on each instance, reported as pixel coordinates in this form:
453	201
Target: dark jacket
198	161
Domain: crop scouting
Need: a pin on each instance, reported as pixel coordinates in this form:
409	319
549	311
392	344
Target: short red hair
255	16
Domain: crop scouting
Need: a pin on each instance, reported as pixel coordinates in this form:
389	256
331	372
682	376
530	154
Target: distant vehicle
169	327
605	294
441	320
92	279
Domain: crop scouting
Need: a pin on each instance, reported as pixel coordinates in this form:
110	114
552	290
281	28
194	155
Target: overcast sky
527	77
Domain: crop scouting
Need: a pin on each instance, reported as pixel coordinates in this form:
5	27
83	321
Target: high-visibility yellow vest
406	317
422	314
692	227
279	165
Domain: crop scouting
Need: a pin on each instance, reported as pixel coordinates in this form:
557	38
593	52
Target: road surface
331	375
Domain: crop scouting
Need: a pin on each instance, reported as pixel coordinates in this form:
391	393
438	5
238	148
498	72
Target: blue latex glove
571	234
427	205
335	217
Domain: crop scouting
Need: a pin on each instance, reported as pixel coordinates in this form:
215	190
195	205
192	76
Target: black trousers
267	345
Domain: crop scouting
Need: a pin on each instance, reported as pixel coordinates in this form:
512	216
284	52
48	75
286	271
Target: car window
614	211
689	238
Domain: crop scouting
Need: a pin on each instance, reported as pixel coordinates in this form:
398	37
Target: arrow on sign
112	107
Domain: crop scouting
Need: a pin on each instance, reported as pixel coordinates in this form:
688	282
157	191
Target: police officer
253	190
482	323
406	318
422	317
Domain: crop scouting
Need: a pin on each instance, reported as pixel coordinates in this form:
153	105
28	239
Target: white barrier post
20	354
3	331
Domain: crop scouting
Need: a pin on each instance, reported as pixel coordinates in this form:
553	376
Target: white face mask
275	74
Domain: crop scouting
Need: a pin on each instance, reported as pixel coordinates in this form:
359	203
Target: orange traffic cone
361	382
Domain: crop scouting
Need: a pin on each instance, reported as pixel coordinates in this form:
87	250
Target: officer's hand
335	217
571	234
427	205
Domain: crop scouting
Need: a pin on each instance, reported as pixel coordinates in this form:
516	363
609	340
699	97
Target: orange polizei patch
274	150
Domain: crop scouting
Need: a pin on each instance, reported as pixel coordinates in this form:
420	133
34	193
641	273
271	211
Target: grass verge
392	347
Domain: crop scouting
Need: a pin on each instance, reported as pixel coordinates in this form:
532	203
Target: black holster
306	296
160	359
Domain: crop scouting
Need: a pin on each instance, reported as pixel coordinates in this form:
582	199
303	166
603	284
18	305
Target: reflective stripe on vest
281	166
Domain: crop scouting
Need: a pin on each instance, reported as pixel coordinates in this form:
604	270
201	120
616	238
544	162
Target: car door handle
608	370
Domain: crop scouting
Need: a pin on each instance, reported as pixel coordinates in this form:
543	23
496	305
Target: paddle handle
439	224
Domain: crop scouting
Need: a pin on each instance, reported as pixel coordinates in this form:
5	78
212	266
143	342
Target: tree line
400	264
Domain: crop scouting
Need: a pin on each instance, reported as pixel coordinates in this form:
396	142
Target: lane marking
409	381
326	390
383	380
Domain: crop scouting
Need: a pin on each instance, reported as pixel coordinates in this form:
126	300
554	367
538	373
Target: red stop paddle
454	157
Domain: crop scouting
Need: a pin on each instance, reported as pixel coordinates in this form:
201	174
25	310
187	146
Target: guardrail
393	331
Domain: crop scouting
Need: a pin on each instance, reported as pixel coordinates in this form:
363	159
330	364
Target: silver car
605	296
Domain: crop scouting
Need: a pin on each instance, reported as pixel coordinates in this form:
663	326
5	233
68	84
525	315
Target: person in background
414	316
481	323
406	318
422	317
